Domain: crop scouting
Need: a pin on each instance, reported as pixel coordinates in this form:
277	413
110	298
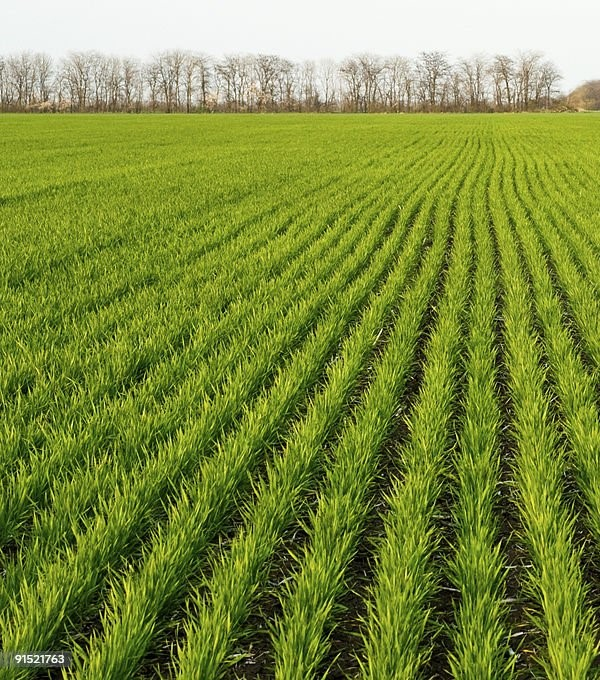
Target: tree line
178	81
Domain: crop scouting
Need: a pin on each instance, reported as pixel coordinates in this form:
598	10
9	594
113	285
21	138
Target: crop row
332	410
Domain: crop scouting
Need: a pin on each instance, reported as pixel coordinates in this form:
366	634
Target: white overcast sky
568	32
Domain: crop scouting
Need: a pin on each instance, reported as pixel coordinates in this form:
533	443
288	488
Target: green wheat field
300	396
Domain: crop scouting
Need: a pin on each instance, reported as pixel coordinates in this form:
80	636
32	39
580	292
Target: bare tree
526	71
76	78
364	78
456	94
351	73
152	79
309	89
196	80
167	72
473	73
5	88
167	80
433	68
114	84
372	68
266	69
396	84
132	84
287	82
549	77
327	83
234	73
204	72
98	69
503	72
185	81
190	72
42	80
21	72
